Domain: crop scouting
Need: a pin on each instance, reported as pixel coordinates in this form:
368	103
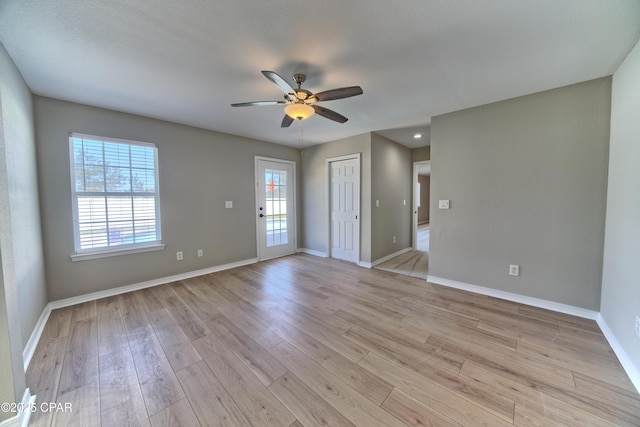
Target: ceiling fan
301	104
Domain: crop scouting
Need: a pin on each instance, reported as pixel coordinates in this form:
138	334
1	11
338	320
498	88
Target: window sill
116	252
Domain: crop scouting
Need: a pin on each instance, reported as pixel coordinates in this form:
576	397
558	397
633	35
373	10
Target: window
116	205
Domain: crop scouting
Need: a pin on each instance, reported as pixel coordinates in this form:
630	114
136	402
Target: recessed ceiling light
417	136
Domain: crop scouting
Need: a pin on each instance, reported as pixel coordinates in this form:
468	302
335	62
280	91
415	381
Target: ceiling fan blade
286	121
257	103
282	84
330	114
343	92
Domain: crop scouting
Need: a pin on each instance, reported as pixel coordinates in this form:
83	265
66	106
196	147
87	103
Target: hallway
414	263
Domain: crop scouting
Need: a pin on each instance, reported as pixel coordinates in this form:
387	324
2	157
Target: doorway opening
421	195
415	262
275	206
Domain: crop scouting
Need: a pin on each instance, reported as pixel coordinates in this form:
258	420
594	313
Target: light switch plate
443	204
228	204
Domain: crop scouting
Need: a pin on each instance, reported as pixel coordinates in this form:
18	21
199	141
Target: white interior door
275	189
345	209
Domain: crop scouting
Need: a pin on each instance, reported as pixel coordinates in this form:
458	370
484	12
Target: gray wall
527	181
621	276
391	171
23	280
385	174
8	389
315	220
420	154
198	171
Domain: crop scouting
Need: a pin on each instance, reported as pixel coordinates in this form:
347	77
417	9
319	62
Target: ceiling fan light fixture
299	111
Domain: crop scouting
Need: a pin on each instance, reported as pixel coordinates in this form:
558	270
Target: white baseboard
30	348
11	422
313	252
22	418
325	255
631	370
388	257
627	364
320	254
148	284
34	339
522	299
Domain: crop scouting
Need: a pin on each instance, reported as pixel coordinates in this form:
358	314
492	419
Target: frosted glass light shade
299	110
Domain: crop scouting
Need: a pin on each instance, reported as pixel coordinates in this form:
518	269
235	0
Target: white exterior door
345	209
275	214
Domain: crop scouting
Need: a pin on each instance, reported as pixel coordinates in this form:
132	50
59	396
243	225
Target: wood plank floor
306	341
412	263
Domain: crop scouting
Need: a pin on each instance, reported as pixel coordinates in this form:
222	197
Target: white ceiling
187	61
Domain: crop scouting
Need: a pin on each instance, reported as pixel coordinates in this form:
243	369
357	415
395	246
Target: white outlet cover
228	204
514	270
443	204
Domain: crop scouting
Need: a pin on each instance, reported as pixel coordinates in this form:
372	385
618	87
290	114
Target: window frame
121	249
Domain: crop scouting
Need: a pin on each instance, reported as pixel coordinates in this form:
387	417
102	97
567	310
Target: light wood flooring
303	340
423	237
414	263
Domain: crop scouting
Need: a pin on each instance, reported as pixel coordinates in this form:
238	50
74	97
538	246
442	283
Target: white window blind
114	185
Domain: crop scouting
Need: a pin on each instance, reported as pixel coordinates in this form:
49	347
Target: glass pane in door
276	207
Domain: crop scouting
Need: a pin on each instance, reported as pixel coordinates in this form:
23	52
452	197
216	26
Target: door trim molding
327	167
415	197
294	231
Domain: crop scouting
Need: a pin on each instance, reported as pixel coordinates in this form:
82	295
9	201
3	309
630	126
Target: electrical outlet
638	326
514	270
394	239
179	256
200	252
443	204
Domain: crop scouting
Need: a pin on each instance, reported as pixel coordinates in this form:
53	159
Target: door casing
292	224
355	156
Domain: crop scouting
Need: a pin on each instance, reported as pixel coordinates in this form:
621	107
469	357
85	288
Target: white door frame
294	222
328	199
416	198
